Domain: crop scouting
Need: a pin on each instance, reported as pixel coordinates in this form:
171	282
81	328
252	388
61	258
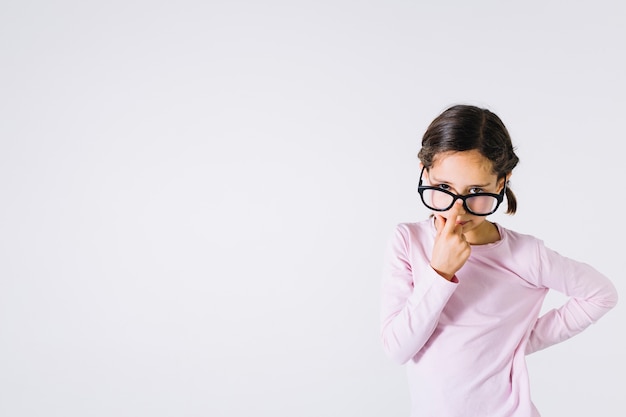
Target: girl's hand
451	250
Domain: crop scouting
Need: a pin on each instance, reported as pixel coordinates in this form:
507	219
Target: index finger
452	215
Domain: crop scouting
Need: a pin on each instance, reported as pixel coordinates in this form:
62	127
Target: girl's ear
506	180
424	173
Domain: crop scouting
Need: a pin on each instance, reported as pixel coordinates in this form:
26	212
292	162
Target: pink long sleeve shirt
464	342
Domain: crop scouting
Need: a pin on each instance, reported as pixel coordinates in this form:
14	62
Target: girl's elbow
396	353
615	298
610	298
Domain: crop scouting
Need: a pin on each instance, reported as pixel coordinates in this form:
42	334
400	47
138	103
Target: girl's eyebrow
438	181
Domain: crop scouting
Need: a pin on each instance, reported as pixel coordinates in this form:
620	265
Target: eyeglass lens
438	200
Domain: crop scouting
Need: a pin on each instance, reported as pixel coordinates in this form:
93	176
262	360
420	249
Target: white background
195	196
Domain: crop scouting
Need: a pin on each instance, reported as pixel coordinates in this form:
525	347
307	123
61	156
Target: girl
461	295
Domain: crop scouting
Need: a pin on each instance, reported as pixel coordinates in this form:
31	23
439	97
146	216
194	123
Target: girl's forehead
464	163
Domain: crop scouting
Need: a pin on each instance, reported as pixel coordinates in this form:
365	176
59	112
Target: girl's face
464	173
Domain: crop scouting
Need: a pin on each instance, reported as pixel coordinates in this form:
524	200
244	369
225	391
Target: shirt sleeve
413	296
590	296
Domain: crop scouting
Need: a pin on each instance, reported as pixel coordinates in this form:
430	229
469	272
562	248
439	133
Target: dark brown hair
465	128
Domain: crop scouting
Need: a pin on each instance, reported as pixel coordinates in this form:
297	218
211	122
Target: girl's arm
591	296
413	296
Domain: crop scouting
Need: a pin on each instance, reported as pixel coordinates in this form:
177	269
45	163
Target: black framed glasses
478	204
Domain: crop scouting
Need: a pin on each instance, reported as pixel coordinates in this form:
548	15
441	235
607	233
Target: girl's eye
475	190
444	187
